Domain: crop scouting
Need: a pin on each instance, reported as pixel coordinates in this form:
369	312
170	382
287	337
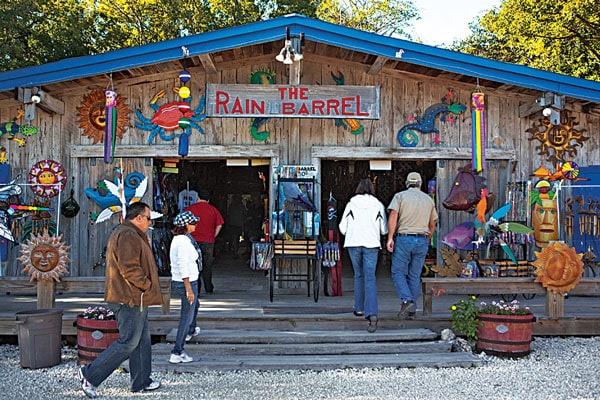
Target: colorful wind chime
184	92
111	124
479	130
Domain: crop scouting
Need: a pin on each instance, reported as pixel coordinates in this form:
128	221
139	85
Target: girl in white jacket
363	222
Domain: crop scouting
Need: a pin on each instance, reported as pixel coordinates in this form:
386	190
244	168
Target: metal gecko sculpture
426	124
13	129
347	123
260	77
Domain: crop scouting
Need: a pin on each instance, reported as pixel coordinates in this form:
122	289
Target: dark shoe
372	323
406	309
411	315
359	313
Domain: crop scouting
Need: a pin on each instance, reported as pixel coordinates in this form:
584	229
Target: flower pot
93	337
505	335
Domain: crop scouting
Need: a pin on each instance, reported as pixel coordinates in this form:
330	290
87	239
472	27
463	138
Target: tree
385	17
557	36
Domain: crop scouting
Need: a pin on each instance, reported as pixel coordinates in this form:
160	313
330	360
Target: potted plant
96	330
499	328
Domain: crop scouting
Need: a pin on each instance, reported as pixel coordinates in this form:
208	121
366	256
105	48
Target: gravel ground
557	368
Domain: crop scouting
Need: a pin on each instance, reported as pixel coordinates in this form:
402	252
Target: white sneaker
88	388
180	358
189	337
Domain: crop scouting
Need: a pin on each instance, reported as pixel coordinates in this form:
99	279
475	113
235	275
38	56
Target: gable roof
370	48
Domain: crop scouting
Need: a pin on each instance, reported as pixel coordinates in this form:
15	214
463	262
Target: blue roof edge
315	30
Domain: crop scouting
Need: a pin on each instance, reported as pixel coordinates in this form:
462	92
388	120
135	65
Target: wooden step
208	361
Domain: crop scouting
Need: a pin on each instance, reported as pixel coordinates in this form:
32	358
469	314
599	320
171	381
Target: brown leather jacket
131	271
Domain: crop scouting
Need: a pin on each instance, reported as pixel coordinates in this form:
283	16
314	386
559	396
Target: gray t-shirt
415	210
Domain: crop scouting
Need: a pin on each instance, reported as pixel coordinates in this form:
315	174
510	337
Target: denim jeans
364	263
207	264
407	264
134	344
187	316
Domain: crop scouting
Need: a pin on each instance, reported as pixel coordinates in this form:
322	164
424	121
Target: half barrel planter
93	337
505	335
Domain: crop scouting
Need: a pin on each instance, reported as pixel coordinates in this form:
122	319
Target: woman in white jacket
363	222
184	258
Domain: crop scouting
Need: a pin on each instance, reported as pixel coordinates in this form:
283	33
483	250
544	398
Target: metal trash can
39	333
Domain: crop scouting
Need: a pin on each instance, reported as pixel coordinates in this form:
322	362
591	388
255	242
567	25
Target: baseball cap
184	218
413	177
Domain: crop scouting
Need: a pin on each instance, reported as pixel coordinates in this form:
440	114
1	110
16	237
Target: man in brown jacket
132	285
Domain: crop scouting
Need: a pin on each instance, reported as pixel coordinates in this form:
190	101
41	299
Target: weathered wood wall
292	141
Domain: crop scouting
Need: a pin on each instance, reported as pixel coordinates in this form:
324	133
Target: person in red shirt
207	229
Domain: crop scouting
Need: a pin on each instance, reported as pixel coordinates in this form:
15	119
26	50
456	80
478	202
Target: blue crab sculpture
170	116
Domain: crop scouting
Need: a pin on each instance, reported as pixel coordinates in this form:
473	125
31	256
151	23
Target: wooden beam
208	63
529	108
171	151
377	66
406	153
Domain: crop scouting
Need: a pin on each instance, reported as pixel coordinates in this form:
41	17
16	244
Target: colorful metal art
558	138
558	267
47	178
479	131
347	123
44	257
92	116
260	77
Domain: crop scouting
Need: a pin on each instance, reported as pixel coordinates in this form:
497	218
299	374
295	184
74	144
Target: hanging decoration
41	222
347	123
479	130
171	116
47	178
110	127
448	109
70	208
261	77
93	118
558	267
557	138
44	257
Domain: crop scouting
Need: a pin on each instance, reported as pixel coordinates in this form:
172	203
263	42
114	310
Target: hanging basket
505	335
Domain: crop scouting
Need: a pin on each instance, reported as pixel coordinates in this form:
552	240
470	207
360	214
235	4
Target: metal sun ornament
44	257
92	116
47	178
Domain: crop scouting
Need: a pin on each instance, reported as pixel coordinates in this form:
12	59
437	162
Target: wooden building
405	77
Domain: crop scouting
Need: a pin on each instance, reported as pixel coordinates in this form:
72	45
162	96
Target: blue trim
315	30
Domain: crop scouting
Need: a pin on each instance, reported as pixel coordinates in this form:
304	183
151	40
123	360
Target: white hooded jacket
363	222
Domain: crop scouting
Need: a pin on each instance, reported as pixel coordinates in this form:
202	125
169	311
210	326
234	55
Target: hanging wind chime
479	129
184	92
110	126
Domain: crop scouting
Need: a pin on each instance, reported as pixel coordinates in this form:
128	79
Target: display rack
295	233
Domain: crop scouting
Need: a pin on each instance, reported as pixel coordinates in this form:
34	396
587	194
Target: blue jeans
364	263
134	344
407	264
187	316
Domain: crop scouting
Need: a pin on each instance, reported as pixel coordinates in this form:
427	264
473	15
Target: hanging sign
303	101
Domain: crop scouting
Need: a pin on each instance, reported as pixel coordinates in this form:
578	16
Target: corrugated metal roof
314	30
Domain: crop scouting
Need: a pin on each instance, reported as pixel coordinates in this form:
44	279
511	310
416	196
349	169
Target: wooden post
45	294
555	304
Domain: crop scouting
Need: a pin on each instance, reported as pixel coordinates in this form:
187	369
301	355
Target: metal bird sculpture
484	228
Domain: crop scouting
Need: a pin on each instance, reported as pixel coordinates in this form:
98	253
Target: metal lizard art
426	124
260	77
355	127
12	128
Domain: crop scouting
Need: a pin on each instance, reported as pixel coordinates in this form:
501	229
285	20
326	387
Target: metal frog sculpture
170	116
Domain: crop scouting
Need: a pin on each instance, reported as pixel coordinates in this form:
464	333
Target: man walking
207	229
132	284
411	224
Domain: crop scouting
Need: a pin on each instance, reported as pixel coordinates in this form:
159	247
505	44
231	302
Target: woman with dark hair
185	262
363	222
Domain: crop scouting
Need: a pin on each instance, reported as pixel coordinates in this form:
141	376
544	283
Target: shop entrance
240	193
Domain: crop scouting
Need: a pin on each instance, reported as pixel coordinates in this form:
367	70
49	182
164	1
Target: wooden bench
75	284
432	287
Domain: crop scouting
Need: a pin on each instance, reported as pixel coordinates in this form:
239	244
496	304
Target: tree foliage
557	36
385	17
40	31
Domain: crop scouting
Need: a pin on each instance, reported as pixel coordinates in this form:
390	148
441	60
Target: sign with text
302	101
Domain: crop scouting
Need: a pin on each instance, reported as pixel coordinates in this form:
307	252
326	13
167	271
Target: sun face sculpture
557	137
44	257
558	267
92	115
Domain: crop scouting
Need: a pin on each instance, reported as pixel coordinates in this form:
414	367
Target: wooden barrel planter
93	336
505	335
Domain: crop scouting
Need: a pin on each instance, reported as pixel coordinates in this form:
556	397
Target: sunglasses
147	217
